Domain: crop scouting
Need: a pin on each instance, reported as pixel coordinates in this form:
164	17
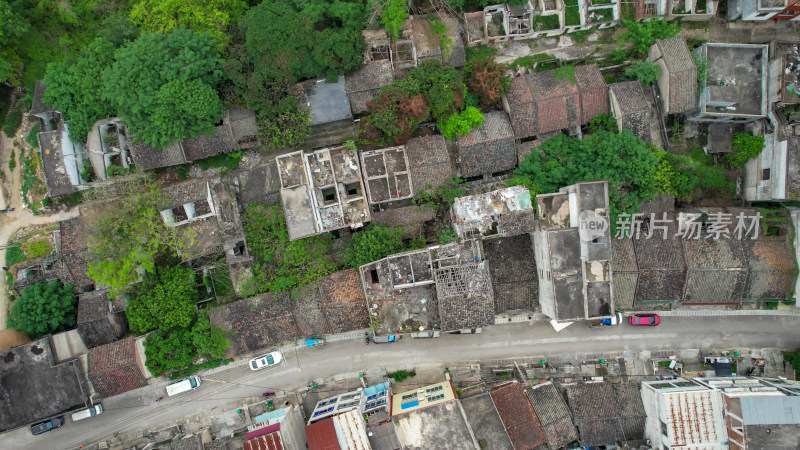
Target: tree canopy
646	72
642	35
212	17
623	159
372	244
44	308
159	72
165	300
75	87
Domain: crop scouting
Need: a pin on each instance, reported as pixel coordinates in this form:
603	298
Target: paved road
231	388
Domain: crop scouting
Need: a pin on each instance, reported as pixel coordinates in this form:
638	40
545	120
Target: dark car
386	339
47	425
647	320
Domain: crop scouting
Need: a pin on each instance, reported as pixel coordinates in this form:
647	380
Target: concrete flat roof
736	79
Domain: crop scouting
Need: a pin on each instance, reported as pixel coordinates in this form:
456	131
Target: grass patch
30	182
12	162
603	14
228	161
14	255
73	199
572	14
545	23
33	137
37	249
530	60
401	375
565	73
12	122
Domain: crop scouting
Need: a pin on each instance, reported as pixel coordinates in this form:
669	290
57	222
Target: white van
186	385
88	412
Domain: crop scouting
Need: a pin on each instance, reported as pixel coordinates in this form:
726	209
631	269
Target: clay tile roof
545	85
518	417
489	148
113	368
772	268
594	92
53	163
522	108
682	74
365	83
343	301
676	54
322	435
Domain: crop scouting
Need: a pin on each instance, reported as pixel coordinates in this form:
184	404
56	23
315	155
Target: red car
646	320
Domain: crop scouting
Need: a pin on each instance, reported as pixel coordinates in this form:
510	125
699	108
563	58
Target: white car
270	359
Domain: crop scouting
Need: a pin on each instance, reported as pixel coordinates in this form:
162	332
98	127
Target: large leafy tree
13	26
159	72
128	236
286	41
642	35
212	17
75	87
165	300
44	308
623	159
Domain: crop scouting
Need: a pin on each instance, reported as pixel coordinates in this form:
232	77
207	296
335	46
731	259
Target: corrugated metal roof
351	431
271	441
322	435
695	417
773	410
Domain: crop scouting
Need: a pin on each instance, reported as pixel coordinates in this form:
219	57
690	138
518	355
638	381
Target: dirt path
10	222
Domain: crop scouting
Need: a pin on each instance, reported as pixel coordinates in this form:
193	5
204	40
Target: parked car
312	342
468	331
647	320
386	339
270	359
47	425
425	334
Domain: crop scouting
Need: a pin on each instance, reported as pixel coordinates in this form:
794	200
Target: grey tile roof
55	173
624	289
513	270
772	268
182	193
553	415
221	141
465	296
243	124
713	254
365	83
660	285
682	74
37	107
660	254
489	148
635	110
623	256
148	158
430	161
605	413
714	286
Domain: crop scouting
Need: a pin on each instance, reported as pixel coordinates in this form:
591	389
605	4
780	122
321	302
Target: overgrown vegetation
745	147
44	308
393	15
604	122
12	122
690	177
284	130
401	375
459	124
645	72
623	159
440	197
486	79
14	254
227	161
429	92
281	264
372	244
37	249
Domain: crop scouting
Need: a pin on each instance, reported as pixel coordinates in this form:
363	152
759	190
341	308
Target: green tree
440	85
211	342
128	236
165	300
372	244
745	147
44	308
646	72
623	160
154	74
459	124
212	17
393	117
168	351
75	87
393	16
605	122
13	26
642	35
